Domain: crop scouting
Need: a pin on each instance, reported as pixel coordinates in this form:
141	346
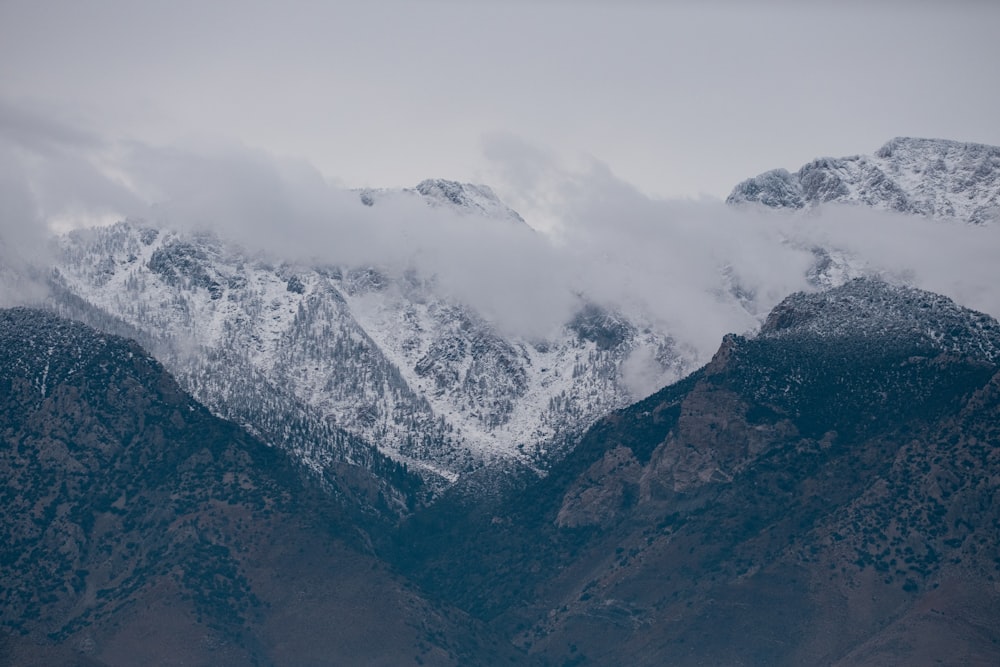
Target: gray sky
676	98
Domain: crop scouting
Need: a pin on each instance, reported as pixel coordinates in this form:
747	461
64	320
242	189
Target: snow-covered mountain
931	177
382	366
322	359
464	198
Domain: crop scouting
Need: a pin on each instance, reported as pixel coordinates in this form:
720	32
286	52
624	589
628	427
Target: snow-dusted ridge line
463	198
930	177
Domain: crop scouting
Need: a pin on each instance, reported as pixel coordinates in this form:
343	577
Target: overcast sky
677	98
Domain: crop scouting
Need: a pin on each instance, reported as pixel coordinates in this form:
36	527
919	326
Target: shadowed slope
138	528
823	493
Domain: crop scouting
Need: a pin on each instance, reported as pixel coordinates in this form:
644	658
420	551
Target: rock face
601	495
139	529
931	177
821	493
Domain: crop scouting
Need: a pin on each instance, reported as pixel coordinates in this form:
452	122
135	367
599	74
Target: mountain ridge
929	177
463	198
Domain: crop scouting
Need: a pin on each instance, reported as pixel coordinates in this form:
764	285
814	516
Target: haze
676	265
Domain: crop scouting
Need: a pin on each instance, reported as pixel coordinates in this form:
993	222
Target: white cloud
695	268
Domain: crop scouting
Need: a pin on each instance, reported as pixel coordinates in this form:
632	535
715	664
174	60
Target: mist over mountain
432	327
598	235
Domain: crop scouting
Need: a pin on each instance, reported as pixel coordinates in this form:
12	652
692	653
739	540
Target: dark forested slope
140	529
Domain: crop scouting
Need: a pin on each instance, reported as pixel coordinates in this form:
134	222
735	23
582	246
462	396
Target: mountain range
379	366
318	464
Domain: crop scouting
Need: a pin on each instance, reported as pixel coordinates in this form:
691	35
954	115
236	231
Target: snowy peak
931	177
463	198
466	197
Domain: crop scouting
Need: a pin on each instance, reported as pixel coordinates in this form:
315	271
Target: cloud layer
697	269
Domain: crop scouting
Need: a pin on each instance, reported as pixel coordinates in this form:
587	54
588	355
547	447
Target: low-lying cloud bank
697	269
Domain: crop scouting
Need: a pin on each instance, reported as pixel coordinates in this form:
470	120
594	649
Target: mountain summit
931	177
463	198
